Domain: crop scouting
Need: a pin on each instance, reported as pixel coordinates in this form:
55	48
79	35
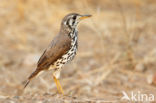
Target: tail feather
27	82
33	74
31	77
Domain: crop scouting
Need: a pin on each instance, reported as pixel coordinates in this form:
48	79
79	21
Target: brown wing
59	46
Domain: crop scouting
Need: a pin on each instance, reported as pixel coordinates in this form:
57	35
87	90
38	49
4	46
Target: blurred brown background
117	49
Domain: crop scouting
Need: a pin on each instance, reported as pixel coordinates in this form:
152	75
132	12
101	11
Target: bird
61	50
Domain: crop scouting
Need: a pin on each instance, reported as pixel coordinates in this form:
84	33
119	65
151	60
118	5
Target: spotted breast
70	54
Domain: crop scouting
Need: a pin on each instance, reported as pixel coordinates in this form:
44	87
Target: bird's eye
74	17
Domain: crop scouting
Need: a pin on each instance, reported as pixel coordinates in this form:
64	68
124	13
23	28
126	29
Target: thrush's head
71	20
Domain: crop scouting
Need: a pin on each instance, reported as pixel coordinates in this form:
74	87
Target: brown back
59	46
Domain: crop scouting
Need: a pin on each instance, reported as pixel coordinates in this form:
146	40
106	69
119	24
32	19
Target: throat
73	33
74	37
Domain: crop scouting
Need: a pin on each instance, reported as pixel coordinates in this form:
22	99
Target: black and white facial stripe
72	21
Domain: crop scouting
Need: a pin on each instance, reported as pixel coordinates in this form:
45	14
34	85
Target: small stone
140	67
150	79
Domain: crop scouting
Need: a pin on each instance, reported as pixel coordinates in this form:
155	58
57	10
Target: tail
27	82
31	77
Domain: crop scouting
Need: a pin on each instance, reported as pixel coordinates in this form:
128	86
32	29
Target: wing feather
59	46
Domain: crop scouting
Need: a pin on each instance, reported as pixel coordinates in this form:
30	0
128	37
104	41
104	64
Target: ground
116	53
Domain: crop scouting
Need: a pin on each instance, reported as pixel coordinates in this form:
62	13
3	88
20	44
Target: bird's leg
58	85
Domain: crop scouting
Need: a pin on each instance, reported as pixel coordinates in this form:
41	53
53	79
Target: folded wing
58	47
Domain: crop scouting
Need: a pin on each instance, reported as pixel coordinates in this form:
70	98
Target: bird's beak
85	17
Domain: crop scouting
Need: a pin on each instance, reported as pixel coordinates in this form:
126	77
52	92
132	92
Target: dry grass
117	50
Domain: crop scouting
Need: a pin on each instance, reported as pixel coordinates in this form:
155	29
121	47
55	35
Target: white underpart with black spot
68	56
